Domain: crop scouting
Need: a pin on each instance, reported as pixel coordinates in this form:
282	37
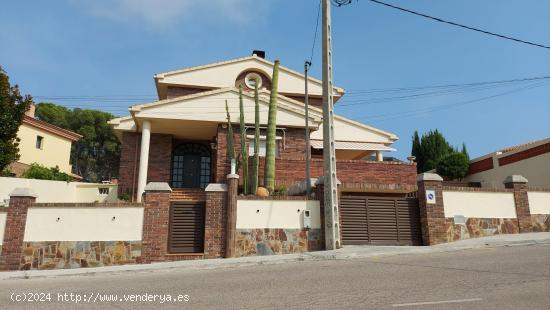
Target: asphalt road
515	277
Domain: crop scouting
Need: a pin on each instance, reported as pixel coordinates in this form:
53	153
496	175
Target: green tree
433	147
12	110
54	114
453	166
270	149
37	171
416	149
465	151
95	157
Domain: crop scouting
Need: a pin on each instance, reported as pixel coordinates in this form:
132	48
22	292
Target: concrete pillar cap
516	178
23	192
216	187
426	176
158	187
233	176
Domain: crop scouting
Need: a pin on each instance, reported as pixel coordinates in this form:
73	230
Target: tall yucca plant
230	148
244	154
270	149
256	159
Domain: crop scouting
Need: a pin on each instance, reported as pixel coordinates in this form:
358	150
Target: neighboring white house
531	160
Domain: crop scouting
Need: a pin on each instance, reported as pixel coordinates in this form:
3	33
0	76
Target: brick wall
290	166
188	194
215	224
160	160
290	148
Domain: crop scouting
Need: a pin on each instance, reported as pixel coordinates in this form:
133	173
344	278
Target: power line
415	112
460	25
315	35
429	94
377	90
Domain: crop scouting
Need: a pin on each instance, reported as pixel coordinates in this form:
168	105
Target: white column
379	156
143	158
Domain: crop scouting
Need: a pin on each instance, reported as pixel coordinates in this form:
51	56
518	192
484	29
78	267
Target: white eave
350	145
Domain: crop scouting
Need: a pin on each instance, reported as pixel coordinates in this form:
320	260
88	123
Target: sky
103	54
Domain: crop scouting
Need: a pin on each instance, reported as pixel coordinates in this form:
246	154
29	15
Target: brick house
180	139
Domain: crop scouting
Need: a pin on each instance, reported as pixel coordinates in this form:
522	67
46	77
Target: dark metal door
186	232
380	220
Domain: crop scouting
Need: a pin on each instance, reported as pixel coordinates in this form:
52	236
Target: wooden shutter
186	232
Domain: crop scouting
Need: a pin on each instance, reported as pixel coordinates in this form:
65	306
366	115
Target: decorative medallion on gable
248	78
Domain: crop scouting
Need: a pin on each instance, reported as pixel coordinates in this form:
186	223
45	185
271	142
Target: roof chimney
259	53
30	110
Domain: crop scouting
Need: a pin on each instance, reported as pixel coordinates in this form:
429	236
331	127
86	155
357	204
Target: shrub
37	171
453	166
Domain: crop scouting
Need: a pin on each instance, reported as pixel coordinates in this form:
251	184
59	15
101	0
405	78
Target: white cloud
164	13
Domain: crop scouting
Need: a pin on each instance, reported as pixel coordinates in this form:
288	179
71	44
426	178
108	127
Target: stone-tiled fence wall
275	225
539	207
69	235
450	213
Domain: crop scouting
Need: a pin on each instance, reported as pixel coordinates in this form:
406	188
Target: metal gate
380	220
186	232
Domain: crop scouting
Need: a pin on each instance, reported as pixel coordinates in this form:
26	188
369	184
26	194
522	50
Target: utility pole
307	64
332	228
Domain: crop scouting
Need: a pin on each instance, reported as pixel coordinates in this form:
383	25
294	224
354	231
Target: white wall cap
426	176
158	187
23	192
216	187
516	178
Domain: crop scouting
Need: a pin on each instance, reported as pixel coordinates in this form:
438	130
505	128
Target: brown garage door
380	220
186	232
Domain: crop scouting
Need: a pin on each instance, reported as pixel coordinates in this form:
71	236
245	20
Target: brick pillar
14	231
232	188
156	216
521	200
432	215
215	220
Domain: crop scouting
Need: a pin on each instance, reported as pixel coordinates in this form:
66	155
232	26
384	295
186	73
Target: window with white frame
262	146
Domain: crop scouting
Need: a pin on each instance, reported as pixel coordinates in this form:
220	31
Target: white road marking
436	302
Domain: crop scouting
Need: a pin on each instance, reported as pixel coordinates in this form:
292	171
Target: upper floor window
262	146
251	79
39	142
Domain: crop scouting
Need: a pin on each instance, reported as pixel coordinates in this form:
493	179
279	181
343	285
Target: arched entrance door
191	166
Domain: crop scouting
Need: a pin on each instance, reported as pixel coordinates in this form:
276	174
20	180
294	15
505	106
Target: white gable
224	74
210	107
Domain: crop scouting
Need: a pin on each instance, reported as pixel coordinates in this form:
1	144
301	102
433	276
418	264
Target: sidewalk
348	252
